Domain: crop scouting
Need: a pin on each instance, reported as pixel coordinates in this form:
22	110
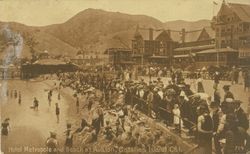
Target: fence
191	75
143	107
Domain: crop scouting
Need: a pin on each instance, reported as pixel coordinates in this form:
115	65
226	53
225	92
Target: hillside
188	25
95	30
45	41
92	28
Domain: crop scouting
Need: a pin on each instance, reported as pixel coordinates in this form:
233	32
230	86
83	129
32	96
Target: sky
46	12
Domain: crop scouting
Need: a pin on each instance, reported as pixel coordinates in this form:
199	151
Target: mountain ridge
96	30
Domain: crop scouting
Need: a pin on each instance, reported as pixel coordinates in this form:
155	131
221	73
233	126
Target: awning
159	57
221	50
183	56
50	62
195	47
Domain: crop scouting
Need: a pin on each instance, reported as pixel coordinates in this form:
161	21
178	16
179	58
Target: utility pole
218	40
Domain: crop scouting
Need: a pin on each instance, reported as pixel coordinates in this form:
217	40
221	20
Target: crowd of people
234	74
110	116
208	118
173	103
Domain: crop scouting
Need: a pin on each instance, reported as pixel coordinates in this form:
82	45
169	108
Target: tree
31	42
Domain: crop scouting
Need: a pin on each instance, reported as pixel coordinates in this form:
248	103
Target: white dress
177	114
241	79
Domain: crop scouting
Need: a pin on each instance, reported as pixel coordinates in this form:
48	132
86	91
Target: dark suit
228	94
242	119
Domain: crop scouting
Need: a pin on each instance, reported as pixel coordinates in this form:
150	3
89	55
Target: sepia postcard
125	76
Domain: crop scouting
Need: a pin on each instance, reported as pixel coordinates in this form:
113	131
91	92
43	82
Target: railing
143	107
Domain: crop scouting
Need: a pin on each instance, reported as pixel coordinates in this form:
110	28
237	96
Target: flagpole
217	43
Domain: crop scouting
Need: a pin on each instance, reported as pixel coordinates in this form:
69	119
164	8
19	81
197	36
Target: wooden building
191	43
152	46
45	66
217	57
119	56
232	26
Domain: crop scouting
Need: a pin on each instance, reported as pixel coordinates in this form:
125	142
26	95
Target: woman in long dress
200	88
246	80
241	79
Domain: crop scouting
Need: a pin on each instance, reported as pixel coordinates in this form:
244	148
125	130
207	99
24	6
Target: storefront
217	57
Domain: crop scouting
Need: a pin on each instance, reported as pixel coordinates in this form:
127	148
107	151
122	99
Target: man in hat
235	136
185	108
228	93
156	101
96	123
52	143
241	115
109	134
216	78
217	96
159	82
150	98
205	129
69	137
215	114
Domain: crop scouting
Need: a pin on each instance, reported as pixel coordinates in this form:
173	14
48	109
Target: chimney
183	33
151	34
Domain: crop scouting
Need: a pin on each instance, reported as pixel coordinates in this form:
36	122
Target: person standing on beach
19	98
49	97
69	138
15	94
57	112
77	104
36	104
5	127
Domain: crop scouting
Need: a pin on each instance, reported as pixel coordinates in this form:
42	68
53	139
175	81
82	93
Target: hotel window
240	27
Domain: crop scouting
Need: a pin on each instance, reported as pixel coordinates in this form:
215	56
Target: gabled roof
164	36
144	33
176	36
203	35
210	32
241	10
192	36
